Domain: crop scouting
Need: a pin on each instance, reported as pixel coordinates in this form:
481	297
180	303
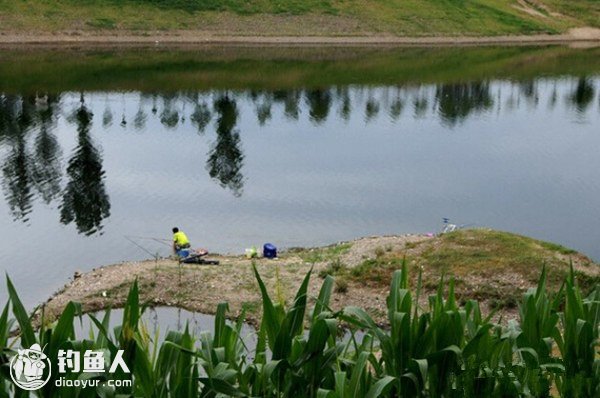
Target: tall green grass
440	350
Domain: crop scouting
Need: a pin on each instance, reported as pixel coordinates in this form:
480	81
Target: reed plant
441	349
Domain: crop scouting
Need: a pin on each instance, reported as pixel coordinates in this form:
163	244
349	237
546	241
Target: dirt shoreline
576	36
200	288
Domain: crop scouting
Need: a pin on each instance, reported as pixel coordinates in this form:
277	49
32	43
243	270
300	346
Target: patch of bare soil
369	247
526	8
536	9
585	33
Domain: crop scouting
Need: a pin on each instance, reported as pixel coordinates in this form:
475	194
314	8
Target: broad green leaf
27	333
380	386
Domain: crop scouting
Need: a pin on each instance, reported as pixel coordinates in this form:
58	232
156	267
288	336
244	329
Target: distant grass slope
295	17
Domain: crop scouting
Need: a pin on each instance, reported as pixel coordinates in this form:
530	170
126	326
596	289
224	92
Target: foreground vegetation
302	17
442	350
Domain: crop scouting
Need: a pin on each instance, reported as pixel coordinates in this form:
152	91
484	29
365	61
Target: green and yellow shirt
180	239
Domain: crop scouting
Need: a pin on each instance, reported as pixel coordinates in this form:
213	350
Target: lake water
160	321
294	148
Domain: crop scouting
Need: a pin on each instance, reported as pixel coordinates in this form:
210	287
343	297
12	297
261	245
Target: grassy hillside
307	17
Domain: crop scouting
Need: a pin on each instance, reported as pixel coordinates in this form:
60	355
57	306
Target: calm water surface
161	320
82	170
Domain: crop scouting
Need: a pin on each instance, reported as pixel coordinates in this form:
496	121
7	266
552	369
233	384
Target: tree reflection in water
226	158
319	103
458	101
583	95
290	100
31	164
420	105
345	109
529	90
16	180
169	116
396	108
16	117
85	201
371	109
201	116
46	167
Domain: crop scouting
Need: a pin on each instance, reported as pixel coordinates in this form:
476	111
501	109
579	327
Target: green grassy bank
302	17
492	266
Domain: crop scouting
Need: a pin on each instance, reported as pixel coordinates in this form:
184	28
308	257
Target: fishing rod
155	255
159	240
148	237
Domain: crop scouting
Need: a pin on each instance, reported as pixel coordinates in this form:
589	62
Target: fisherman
180	240
29	365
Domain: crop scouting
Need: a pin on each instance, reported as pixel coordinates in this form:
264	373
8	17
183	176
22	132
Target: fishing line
141	247
159	240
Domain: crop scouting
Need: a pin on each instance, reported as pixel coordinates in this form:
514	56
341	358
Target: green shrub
341	285
335	267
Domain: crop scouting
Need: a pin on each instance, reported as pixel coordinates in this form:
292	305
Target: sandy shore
573	36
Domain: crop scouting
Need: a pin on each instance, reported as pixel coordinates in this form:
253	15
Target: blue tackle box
269	251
